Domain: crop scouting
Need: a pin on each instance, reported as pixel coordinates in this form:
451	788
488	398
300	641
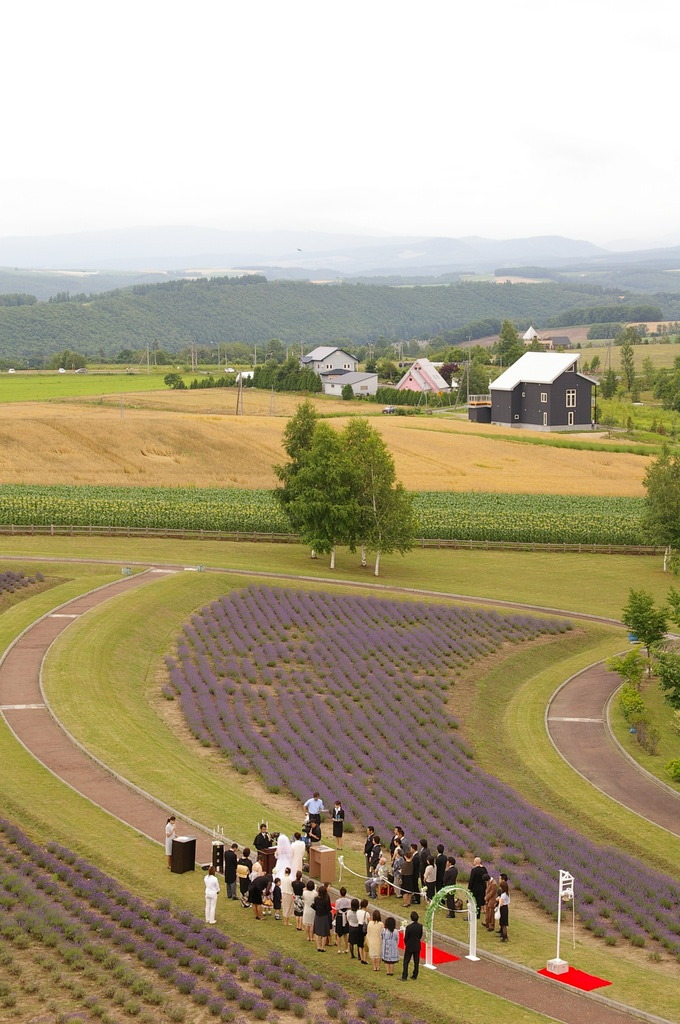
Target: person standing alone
413	935
212	889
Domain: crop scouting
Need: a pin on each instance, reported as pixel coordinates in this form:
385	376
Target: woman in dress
284	856
338	823
374	939
322	918
212	888
504	906
407	877
287	896
364	917
342	905
170	834
244	866
298	887
390	945
430	879
356	931
308	897
397	864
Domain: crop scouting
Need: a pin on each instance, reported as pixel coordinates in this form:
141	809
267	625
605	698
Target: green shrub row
538	518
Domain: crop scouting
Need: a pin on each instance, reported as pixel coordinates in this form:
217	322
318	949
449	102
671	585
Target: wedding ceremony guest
212	888
390	945
338	823
430	879
287	896
170	834
490	897
413	934
450	878
322	918
416	874
374	939
476	883
277	898
378	878
230	862
244	866
298	887
440	864
308	897
342	905
504	906
368	846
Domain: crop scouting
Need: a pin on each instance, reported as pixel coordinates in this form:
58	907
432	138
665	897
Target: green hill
253	310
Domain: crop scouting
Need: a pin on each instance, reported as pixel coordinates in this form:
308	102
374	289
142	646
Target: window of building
571	398
545	419
570	419
544	397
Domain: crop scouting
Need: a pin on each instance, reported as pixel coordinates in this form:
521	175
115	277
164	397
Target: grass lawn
119	650
660	715
595	584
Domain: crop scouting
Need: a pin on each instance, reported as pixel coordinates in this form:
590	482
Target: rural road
23	707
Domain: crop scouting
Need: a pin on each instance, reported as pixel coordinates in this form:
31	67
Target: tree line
247	311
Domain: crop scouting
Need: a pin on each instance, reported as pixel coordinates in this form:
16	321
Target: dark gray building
543	391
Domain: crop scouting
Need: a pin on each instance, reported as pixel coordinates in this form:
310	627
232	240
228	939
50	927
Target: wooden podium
322	862
183	855
267	859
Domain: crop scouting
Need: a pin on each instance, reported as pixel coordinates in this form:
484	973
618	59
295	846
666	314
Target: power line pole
239	396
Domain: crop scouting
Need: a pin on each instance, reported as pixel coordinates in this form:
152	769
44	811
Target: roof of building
536	368
323	352
346	376
426	375
530	335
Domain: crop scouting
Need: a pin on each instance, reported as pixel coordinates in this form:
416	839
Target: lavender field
351	696
76	946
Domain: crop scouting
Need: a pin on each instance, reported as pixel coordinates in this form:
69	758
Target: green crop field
26	386
539	518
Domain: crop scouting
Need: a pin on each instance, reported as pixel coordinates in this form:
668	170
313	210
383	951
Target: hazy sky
437	118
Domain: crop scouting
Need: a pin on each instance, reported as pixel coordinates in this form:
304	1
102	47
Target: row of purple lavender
11	581
51	899
350	696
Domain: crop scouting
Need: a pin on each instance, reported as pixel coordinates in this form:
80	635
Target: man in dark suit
230	861
368	846
262	840
416	874
440	863
476	883
450	878
413	935
375	855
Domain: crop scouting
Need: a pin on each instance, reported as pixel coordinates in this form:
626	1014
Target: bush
630	702
673	769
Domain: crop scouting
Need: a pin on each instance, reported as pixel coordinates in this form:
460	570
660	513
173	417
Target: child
277	898
267	904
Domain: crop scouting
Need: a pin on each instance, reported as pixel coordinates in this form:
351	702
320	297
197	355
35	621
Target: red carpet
438	955
577	979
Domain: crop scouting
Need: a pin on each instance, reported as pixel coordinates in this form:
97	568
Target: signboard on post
565	899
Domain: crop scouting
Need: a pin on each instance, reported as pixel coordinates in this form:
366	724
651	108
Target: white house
362	383
328	357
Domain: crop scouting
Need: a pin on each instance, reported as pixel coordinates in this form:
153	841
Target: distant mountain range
279	254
